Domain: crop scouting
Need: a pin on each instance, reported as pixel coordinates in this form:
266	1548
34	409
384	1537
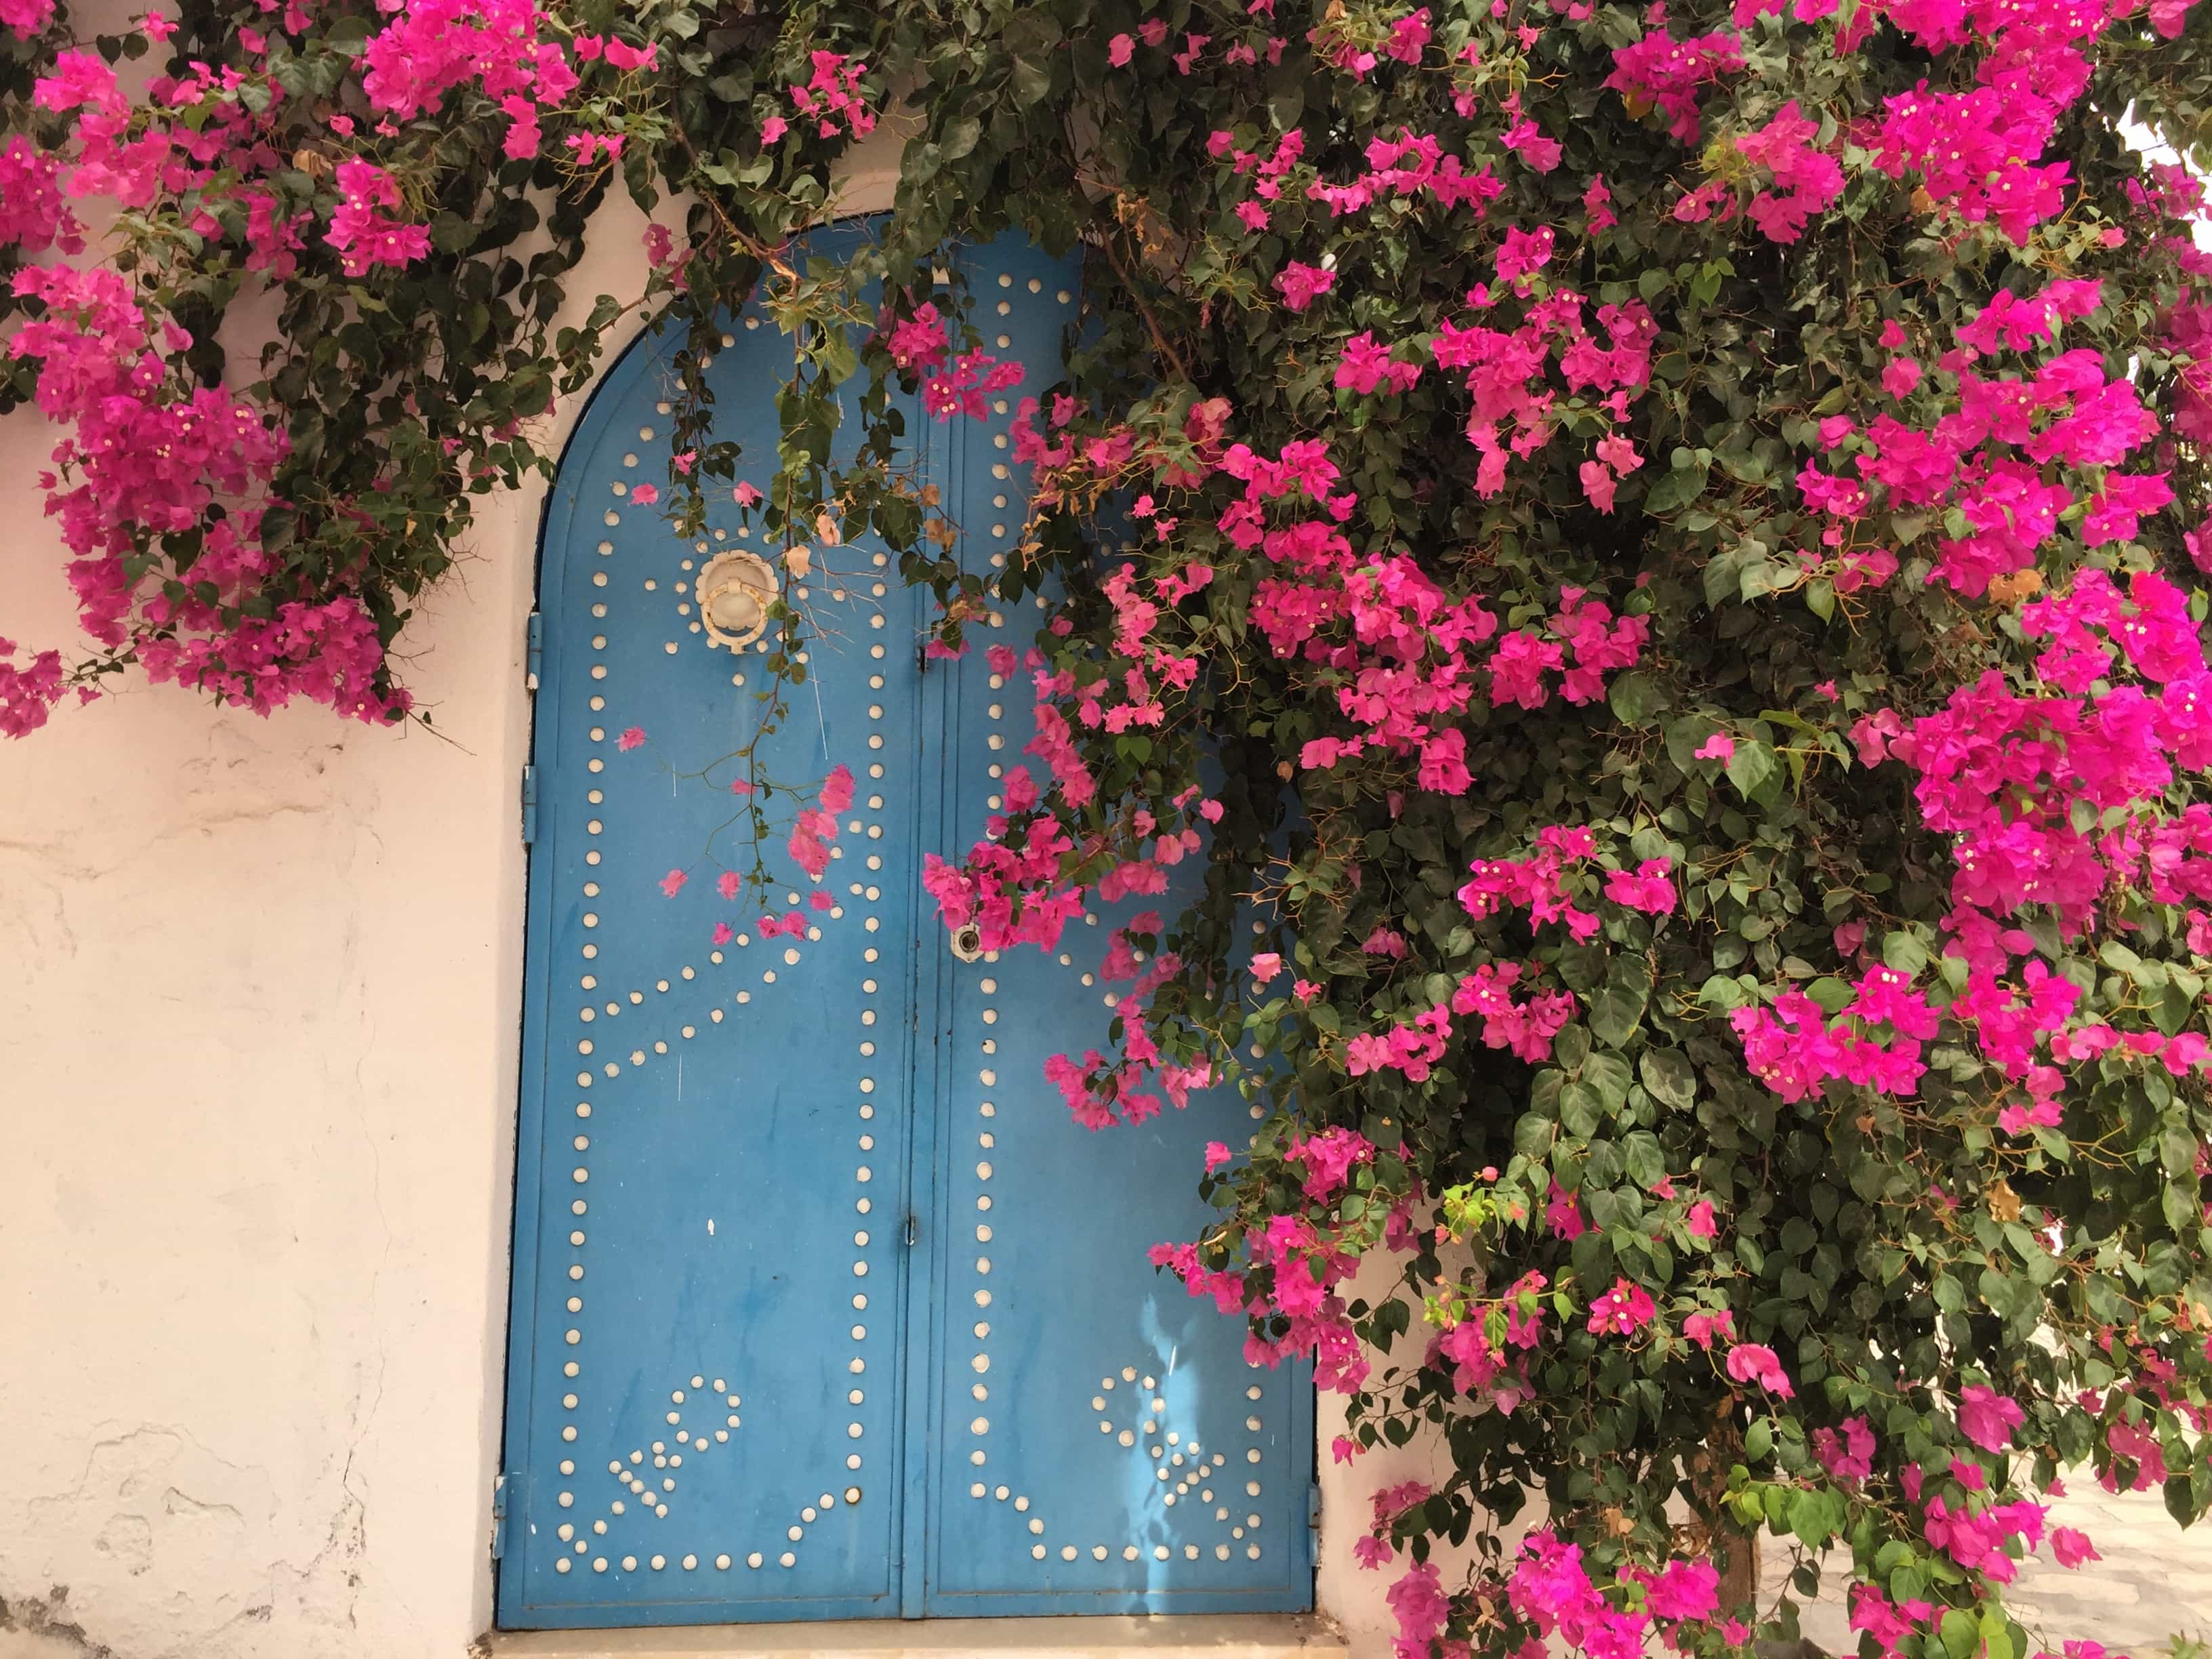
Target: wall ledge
1194	1635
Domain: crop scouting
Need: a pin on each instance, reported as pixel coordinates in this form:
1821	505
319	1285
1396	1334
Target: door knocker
734	592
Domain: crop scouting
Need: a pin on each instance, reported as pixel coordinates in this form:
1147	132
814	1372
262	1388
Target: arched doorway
823	1307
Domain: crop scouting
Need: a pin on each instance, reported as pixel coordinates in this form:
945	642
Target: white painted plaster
259	1024
259	1062
1351	1594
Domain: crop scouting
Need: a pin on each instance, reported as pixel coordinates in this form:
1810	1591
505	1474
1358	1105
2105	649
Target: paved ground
2154	1583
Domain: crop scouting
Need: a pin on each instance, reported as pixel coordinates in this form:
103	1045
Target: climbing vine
1659	546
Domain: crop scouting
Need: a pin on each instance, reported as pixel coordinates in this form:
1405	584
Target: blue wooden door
822	1306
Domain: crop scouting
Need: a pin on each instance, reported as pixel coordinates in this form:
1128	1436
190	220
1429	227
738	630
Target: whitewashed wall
259	1007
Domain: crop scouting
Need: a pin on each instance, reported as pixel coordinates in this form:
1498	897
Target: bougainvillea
1654	547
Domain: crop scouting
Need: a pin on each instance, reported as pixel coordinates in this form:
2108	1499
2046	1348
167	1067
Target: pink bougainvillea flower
1650	887
1563	1215
672	883
1523	252
1525	138
1988	1417
1625	1309
2020	1116
645	495
1846	1451
1683	1590
747	495
1753	1362
1121	49
1329	1157
1300	285
1702	1327
1700	1222
1419	1602
2072	1548
1720	746
362	229
723	932
632	737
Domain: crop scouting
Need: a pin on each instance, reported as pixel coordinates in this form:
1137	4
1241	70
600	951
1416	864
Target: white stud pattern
641	1491
1184	1471
697	1420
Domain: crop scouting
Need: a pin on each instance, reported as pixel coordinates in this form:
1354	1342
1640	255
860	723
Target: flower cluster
1617	595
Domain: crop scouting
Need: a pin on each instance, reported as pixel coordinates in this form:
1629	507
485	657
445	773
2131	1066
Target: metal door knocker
734	592
968	943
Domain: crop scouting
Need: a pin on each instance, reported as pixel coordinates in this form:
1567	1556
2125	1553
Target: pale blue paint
720	1203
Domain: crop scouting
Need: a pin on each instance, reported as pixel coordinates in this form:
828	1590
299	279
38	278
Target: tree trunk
1736	1554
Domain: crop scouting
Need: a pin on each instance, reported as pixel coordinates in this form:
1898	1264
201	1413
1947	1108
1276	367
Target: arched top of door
863	183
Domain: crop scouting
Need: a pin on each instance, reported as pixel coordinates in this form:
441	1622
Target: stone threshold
1174	1636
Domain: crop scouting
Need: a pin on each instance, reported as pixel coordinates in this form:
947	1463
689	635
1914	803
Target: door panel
735	1393
1101	1376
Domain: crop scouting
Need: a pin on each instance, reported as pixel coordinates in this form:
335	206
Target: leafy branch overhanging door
823	1307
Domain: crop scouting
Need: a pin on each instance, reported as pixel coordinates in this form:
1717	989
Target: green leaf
1759	577
1636	696
1667	1073
1608	1074
1030	80
1904	951
1646	1164
960	137
1616	1014
1814	1515
1580	1112
1678	488
1751	769
1719	578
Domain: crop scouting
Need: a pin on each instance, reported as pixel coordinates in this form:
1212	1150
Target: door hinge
501	1485
529	804
1313	1524
533	651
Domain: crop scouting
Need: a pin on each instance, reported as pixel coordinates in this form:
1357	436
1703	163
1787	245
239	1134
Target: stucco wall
258	1023
258	1044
